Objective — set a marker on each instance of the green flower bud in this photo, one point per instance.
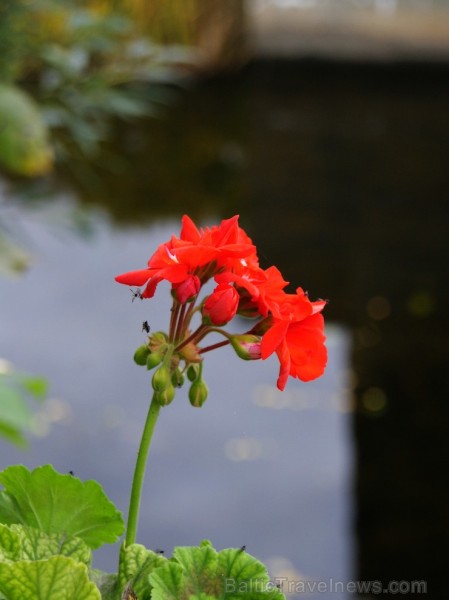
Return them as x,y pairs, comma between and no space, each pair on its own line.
177,378
165,396
140,355
192,372
153,359
198,393
159,337
161,379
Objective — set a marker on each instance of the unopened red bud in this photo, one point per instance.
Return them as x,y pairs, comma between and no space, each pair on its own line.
165,396
187,290
161,379
220,307
198,393
247,346
141,354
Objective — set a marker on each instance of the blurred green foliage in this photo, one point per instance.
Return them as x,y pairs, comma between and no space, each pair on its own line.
85,67
24,143
16,416
12,38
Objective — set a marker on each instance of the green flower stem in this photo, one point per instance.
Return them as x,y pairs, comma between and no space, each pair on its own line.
139,471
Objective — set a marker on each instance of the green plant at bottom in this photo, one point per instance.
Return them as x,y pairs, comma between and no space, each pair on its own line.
52,522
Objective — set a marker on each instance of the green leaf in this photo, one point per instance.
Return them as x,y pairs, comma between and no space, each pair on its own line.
136,564
167,582
13,435
244,570
35,386
14,411
199,566
59,504
201,573
57,578
16,417
18,542
36,545
9,544
24,146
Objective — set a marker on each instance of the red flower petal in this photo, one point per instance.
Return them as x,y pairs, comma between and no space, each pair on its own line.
189,230
273,338
134,277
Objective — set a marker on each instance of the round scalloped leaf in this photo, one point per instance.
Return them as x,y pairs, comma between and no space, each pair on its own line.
167,582
136,564
60,504
37,545
201,573
199,565
18,542
57,578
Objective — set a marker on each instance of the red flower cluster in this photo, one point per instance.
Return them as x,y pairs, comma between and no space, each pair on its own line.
289,324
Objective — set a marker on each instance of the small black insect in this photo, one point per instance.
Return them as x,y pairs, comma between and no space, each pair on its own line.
72,473
159,551
242,548
136,294
145,327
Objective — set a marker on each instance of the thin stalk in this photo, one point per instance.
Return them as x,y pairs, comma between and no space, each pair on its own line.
180,324
139,471
214,346
173,319
188,317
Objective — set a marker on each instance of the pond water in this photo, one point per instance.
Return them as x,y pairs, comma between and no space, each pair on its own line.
339,173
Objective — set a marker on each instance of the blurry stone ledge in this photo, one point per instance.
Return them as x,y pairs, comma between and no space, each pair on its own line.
356,35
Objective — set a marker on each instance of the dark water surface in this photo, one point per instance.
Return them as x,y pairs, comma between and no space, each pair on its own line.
340,176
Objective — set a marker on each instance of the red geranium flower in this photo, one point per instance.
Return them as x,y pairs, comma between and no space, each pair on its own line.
198,252
297,337
264,288
289,324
